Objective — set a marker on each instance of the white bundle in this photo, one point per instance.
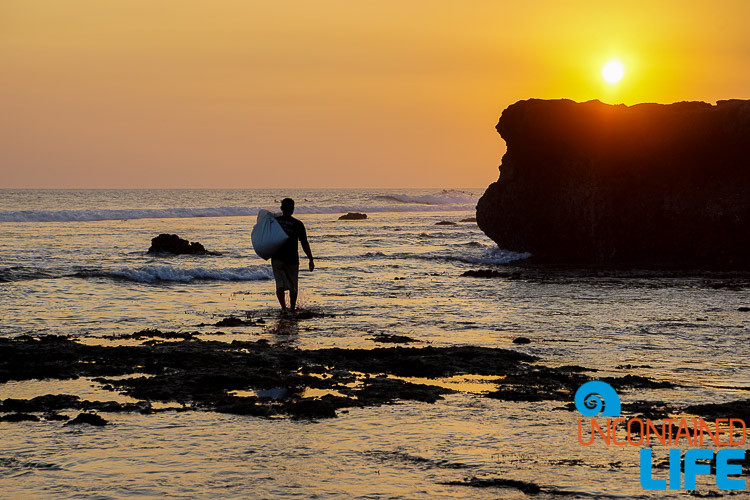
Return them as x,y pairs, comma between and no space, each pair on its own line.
267,235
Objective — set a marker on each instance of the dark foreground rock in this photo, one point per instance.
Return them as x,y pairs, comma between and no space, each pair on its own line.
646,184
263,379
272,379
89,419
173,244
353,216
19,417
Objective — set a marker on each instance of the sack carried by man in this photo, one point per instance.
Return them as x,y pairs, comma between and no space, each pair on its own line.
267,235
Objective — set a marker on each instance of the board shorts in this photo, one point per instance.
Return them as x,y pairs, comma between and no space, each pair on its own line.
286,275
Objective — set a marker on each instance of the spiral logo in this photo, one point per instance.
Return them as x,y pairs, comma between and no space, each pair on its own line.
597,397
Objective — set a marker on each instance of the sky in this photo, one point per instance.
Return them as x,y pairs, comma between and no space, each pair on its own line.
315,94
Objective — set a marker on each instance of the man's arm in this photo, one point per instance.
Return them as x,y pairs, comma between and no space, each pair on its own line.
306,247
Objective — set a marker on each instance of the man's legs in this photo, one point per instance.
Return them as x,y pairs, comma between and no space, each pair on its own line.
282,299
292,300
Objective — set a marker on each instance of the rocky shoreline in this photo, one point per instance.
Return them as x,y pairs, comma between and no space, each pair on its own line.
261,379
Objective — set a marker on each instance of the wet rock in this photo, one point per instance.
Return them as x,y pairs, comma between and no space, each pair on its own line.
51,403
353,216
522,340
469,219
379,390
407,458
743,309
309,314
491,273
234,321
533,393
173,244
445,223
56,417
636,382
475,482
655,410
733,409
87,418
19,417
310,408
243,406
151,334
387,338
47,403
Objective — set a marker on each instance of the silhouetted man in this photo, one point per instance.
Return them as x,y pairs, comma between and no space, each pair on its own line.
285,262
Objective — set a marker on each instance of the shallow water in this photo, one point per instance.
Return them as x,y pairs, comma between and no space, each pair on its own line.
396,273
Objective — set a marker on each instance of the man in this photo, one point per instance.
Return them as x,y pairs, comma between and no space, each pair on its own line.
285,262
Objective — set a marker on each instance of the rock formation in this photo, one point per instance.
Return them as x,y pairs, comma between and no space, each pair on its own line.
644,184
171,243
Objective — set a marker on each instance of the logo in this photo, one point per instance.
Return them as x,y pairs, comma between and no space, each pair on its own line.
599,399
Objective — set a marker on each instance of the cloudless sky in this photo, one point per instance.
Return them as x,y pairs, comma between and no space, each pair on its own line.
393,93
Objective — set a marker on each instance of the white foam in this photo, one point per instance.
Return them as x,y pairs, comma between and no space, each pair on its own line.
444,197
153,274
494,256
172,213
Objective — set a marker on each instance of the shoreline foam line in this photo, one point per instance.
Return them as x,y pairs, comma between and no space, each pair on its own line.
178,213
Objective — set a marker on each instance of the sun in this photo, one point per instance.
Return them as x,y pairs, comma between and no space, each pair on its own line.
613,71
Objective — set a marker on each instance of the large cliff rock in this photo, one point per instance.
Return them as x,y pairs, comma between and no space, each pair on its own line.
643,184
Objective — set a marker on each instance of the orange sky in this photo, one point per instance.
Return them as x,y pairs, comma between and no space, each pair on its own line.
394,93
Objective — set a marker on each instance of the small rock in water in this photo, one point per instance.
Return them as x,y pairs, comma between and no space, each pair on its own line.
469,219
475,482
492,273
171,243
392,339
743,309
353,216
234,321
522,340
88,418
445,223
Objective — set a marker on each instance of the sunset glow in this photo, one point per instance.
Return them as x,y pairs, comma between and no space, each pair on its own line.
168,93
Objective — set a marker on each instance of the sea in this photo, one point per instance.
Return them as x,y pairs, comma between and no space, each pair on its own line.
75,262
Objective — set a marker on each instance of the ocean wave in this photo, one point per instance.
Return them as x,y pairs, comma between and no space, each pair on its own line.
489,256
166,273
23,273
444,197
175,213
492,256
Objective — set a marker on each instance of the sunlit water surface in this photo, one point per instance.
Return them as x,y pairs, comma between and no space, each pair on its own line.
75,263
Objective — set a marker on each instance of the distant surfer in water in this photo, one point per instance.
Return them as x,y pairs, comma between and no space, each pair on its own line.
285,262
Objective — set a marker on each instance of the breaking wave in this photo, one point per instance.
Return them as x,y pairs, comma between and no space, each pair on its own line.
490,256
174,213
445,197
166,273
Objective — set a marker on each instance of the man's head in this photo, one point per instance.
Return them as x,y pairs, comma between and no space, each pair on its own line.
287,206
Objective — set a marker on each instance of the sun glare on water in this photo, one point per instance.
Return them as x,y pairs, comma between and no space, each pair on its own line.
613,71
